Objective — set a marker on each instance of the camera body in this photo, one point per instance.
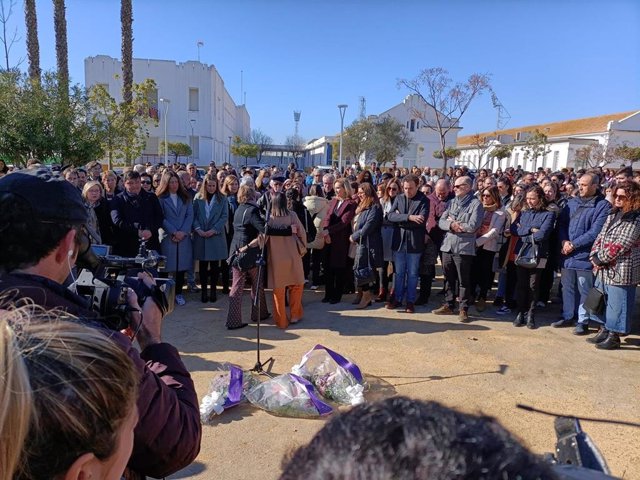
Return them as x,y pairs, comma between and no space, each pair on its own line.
104,280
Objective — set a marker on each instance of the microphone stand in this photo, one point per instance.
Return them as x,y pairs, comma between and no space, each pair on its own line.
261,262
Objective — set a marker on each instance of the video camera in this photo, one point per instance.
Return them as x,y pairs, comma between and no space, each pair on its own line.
104,280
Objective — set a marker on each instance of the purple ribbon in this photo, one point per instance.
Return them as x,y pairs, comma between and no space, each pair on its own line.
323,408
350,367
235,388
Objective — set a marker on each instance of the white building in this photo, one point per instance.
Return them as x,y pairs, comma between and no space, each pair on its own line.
564,139
412,113
196,106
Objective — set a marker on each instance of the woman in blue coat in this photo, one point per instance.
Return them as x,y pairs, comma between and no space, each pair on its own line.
175,234
367,234
534,224
210,215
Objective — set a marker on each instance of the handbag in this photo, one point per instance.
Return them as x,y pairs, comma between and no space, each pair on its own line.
302,248
528,255
596,300
365,275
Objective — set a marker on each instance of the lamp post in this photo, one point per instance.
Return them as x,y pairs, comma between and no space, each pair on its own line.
342,108
165,102
193,122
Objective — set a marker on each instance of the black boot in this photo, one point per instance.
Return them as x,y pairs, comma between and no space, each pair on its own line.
601,336
531,321
203,286
519,321
612,342
213,295
423,297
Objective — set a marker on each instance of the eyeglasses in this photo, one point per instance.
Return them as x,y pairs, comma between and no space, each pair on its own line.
146,182
620,197
459,186
392,189
486,195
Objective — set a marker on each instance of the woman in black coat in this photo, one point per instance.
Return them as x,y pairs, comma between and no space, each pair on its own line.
368,235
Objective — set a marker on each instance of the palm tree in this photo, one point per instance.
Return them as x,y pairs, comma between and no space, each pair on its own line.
126,18
33,47
62,57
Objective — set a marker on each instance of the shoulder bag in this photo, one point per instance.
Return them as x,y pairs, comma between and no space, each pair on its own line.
365,275
302,249
596,300
528,255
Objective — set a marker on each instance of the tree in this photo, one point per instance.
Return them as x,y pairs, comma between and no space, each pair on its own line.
126,19
500,152
449,101
36,120
482,145
357,139
595,155
33,47
390,140
124,126
449,152
262,140
295,144
534,147
62,54
242,148
8,39
177,149
630,154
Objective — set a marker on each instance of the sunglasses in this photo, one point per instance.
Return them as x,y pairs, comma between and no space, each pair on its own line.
393,189
486,195
459,186
146,182
620,197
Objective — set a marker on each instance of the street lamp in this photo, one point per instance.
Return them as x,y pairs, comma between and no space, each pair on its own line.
165,102
193,122
342,108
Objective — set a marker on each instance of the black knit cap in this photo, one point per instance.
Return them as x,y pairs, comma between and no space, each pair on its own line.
50,197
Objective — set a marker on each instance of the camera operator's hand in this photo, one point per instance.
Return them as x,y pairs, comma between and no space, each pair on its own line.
148,324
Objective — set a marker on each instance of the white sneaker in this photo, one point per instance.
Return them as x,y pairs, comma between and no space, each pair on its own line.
503,310
314,287
180,301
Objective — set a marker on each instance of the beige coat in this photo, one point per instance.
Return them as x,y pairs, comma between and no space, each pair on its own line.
284,262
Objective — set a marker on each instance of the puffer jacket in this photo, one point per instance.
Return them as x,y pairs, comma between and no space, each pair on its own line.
317,207
617,249
580,222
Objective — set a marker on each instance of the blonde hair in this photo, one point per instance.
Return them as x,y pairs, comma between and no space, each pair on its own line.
66,391
89,185
346,186
246,193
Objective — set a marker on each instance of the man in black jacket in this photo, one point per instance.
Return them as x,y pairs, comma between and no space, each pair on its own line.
409,212
44,216
137,215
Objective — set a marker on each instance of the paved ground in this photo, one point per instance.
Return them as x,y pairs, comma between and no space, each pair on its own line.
486,366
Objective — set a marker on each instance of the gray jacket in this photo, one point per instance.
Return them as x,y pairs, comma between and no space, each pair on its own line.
468,211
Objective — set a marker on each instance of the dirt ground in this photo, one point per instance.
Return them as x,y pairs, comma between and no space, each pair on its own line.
487,366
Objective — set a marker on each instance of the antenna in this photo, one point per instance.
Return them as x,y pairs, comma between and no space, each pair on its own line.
296,118
199,44
503,114
363,108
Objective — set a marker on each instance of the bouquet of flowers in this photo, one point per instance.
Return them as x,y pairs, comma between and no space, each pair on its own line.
227,389
335,377
289,396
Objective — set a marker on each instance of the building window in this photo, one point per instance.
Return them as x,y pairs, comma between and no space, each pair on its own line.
413,125
193,99
516,159
556,157
194,143
418,125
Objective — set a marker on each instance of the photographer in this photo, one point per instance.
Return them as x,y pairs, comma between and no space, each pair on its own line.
40,223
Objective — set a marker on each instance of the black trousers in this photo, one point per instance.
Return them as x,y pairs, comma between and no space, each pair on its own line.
512,281
209,272
482,277
457,271
527,288
317,259
335,278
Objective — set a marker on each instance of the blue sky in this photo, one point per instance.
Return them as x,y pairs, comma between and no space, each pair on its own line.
549,60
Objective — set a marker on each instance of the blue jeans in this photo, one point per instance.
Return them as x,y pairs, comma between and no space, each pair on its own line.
575,287
502,285
619,310
406,275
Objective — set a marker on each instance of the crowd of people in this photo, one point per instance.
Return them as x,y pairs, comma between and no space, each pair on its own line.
378,233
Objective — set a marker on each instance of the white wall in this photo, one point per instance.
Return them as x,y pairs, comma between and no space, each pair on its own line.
216,119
